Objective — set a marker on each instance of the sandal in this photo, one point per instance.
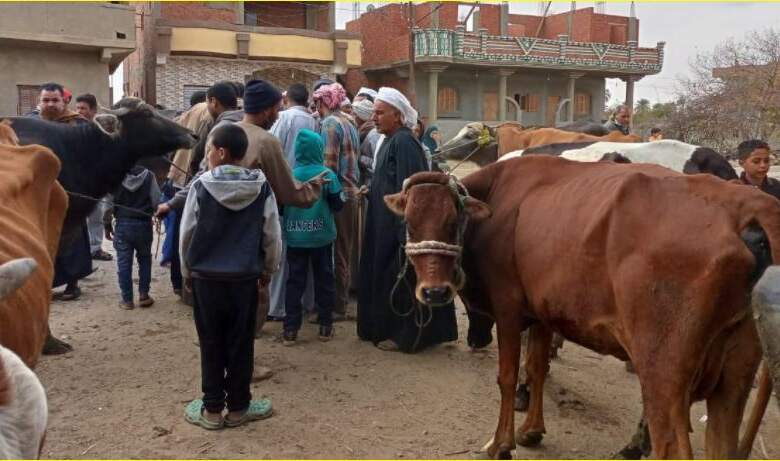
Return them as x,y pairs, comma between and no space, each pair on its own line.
193,413
258,409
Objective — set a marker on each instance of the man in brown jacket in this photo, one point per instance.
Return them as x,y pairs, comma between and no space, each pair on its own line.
261,109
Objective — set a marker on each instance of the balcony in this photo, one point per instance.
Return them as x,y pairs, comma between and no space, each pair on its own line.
188,37
111,28
459,46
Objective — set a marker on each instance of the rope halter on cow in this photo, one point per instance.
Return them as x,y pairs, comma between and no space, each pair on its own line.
436,247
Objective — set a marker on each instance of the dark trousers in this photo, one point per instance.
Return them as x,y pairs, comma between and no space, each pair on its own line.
298,259
172,223
225,315
175,258
133,236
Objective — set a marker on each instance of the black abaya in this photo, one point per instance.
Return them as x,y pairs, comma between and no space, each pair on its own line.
399,157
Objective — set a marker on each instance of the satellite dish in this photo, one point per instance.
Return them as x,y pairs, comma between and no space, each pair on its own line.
370,8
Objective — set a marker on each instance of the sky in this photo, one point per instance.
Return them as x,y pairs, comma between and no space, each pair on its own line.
687,29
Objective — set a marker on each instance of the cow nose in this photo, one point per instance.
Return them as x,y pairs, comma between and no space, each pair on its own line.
436,295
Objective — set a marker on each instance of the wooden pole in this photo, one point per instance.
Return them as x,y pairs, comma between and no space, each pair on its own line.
412,85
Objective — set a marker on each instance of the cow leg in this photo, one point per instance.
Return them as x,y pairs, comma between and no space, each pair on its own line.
509,346
54,346
537,364
639,445
668,420
726,404
523,395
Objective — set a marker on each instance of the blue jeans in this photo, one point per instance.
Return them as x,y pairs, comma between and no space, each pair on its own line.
133,235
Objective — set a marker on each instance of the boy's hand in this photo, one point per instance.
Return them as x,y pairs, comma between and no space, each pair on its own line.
162,210
109,232
319,179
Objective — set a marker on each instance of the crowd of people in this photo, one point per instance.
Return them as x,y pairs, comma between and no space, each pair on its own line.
279,208
279,211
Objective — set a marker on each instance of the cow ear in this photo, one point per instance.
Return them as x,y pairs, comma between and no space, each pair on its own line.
477,210
108,123
396,203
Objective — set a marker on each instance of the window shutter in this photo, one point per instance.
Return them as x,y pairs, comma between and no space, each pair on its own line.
28,96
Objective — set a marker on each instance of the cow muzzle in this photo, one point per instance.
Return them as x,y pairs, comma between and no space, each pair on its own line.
436,296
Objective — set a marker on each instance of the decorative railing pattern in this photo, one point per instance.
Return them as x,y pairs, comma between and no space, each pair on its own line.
461,46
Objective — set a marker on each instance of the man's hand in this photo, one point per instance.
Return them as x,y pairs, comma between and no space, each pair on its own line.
188,283
109,232
162,210
264,280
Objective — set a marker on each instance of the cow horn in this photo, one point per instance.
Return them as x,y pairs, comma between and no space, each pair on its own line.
117,112
14,273
766,310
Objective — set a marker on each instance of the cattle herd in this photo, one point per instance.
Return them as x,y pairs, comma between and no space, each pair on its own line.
617,245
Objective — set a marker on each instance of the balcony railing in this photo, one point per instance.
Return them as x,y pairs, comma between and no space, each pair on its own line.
470,47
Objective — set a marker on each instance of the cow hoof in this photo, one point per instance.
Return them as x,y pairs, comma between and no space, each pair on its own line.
522,398
529,439
54,346
628,452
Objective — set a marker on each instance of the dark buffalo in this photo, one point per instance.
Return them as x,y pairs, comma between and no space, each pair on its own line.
95,159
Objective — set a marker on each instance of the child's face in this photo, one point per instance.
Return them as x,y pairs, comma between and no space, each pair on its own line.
216,156
756,165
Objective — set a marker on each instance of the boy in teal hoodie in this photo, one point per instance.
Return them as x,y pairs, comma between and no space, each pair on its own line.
310,234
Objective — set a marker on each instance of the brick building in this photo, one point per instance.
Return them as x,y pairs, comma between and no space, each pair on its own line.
534,69
186,46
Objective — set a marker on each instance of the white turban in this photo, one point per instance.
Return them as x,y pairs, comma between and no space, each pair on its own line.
367,91
364,109
396,99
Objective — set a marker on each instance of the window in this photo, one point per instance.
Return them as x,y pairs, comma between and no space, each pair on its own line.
28,98
189,90
530,103
447,100
581,104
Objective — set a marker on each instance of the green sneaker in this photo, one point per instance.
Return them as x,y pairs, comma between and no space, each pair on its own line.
258,409
193,413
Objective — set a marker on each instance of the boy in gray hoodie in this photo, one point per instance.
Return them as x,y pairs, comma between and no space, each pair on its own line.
133,233
230,245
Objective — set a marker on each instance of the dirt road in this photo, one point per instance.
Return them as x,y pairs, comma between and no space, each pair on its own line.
122,392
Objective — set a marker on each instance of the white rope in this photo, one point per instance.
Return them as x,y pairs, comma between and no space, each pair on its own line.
433,247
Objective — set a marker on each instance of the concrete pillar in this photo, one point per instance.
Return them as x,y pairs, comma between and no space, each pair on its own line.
504,21
331,16
503,74
435,14
545,95
311,17
630,95
433,92
570,93
239,7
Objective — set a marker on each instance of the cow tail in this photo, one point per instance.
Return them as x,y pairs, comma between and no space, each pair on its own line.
765,302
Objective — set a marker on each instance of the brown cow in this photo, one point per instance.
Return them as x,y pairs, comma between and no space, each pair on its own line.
32,210
484,145
612,257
